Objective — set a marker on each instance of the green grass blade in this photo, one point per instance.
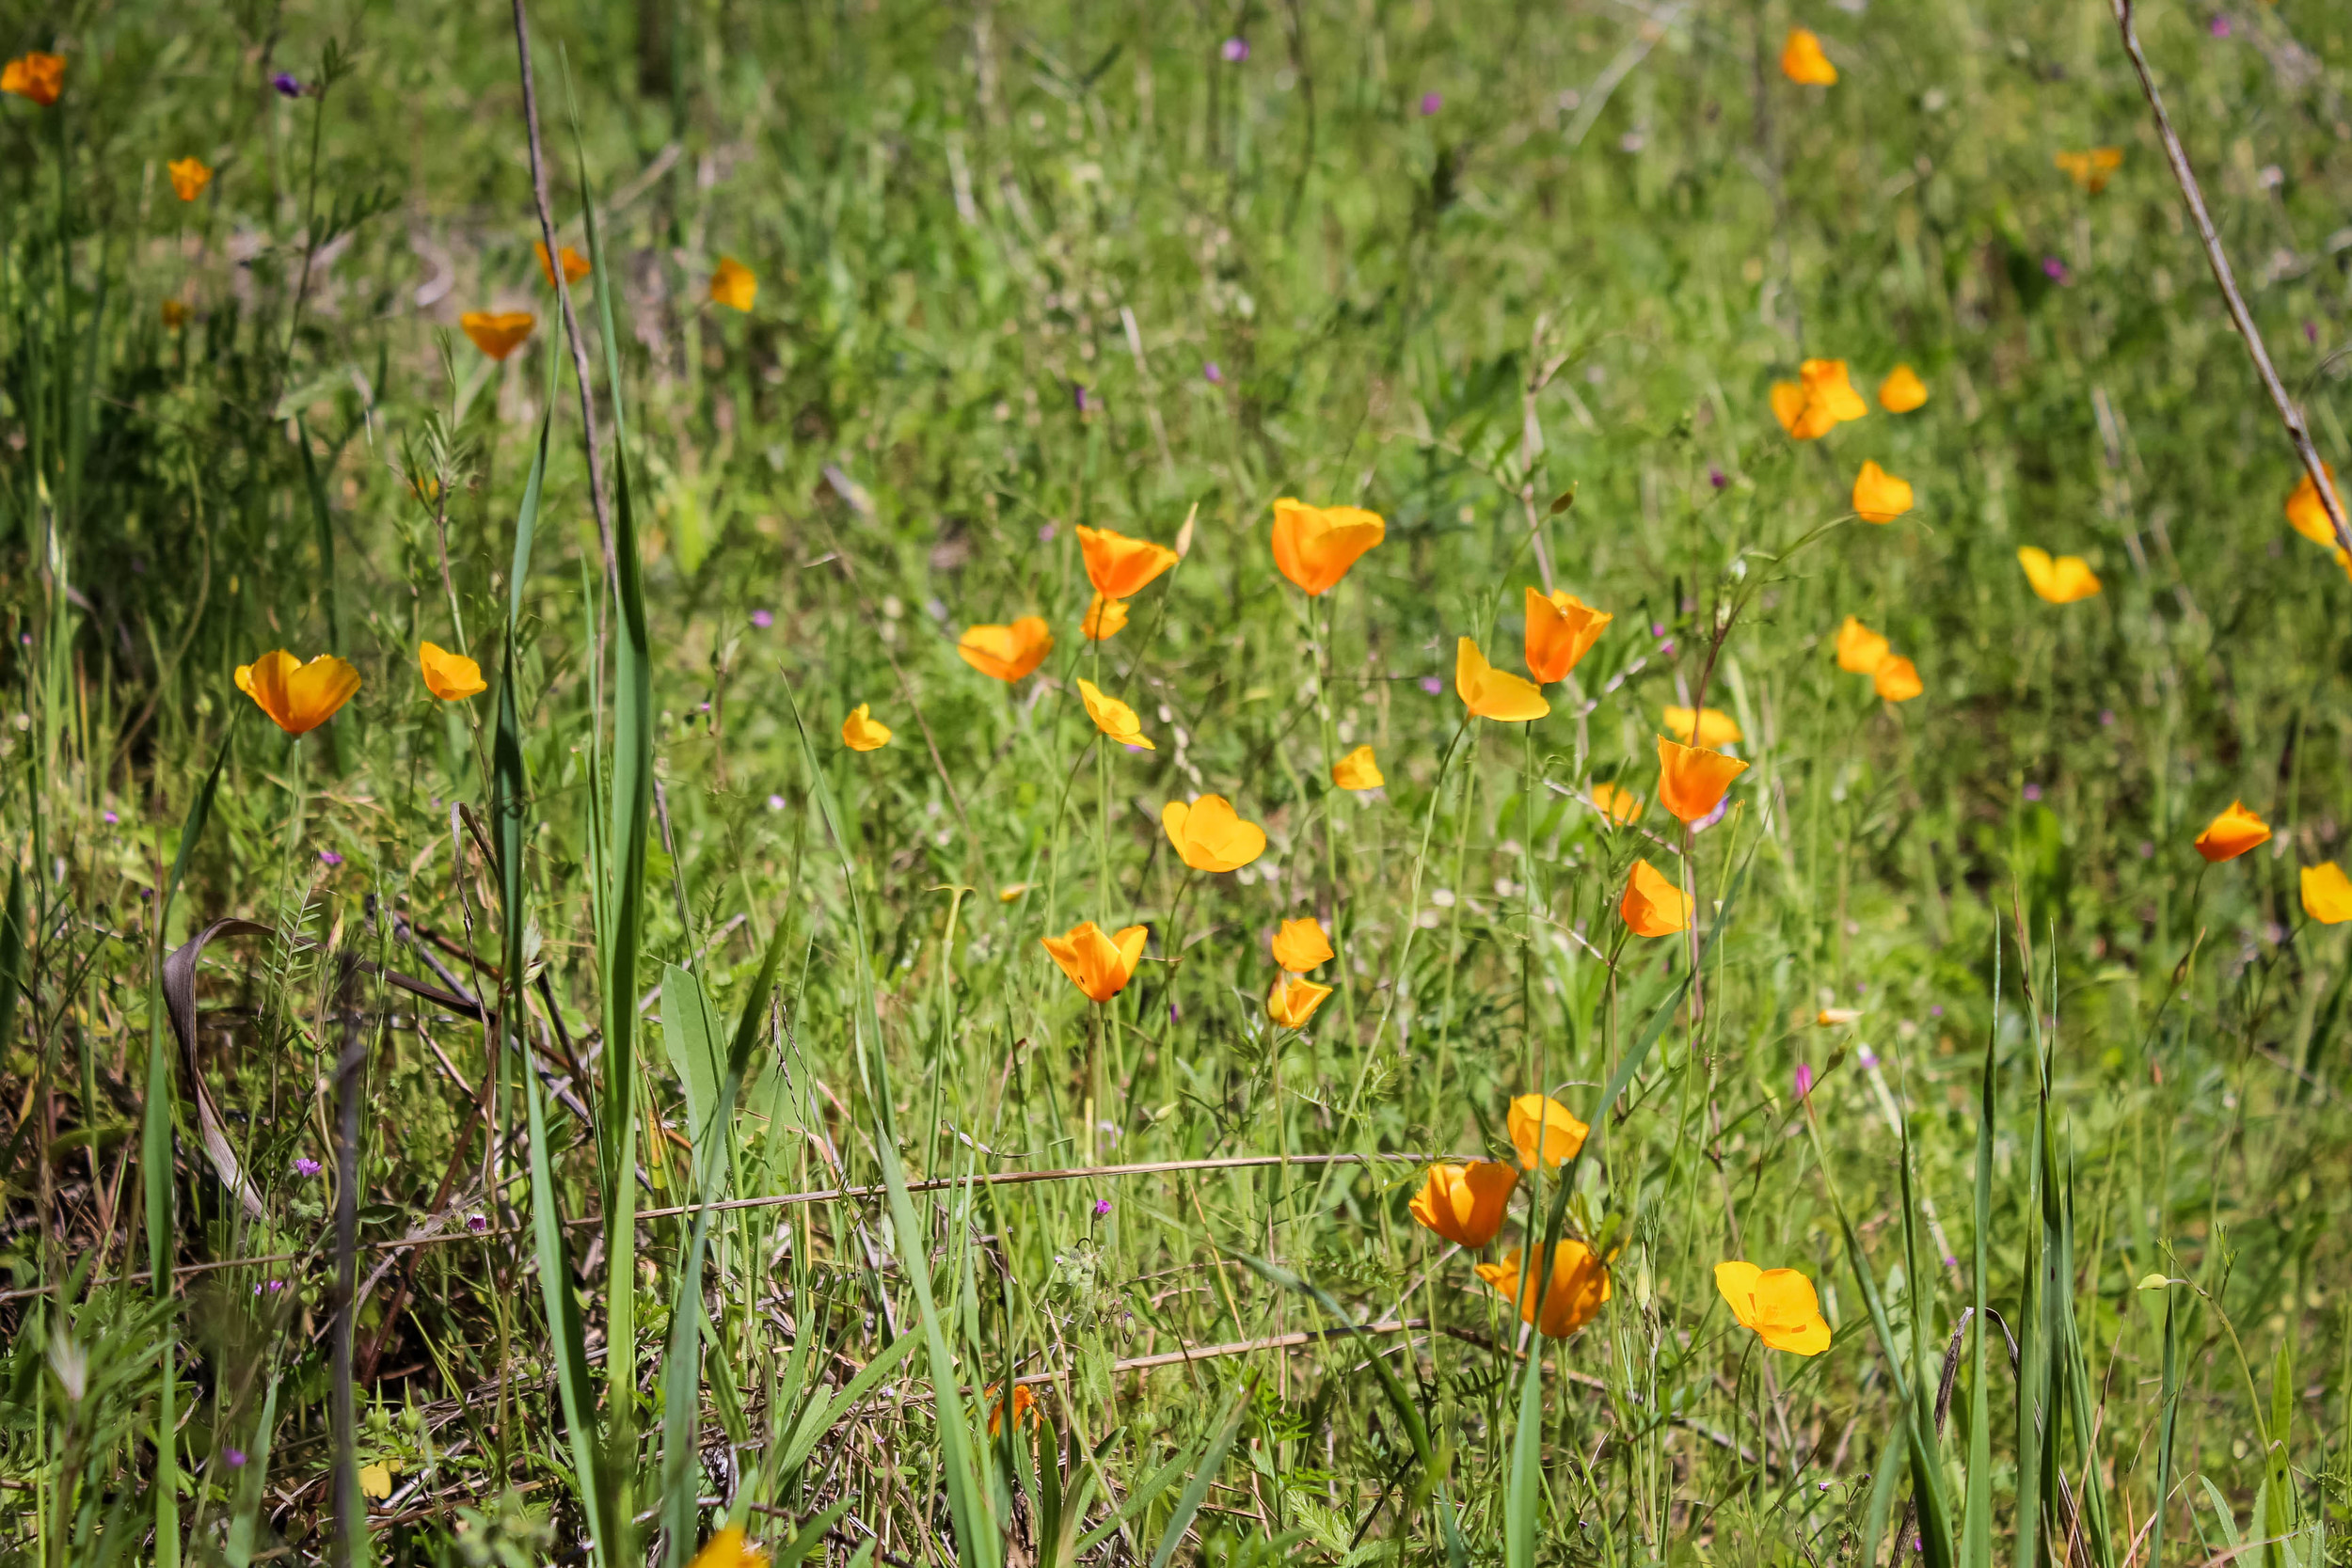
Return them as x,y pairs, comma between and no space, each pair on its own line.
1523,1493
2164,1428
822,1416
1195,1492
1975,1530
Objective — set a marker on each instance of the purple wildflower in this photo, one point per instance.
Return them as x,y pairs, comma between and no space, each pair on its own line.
1236,50
1804,1080
1868,1058
2056,270
476,1224
1102,1206
775,802
1046,531
763,619
1211,374
305,1166
233,1458
1716,478
2221,26
2033,792
1657,629
2107,718
2311,333
109,818
1935,1009
329,857
1431,102
287,83
1432,684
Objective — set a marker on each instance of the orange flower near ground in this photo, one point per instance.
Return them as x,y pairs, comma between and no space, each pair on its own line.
1357,770
1898,679
1024,1411
298,697
1114,718
1492,693
1652,906
1902,391
175,315
2307,514
575,265
1106,618
1692,779
1120,567
2090,170
1300,946
1860,650
1006,652
860,732
1210,837
1820,400
452,677
1778,1303
1802,60
1715,727
1617,805
1879,497
1465,1204
37,76
733,285
1562,1135
498,333
189,176
1579,1285
2232,834
2060,580
1314,546
1293,1000
1560,630
726,1549
1098,963
2327,894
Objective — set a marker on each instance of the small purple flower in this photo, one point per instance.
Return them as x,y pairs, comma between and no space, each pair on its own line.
1102,1206
2033,792
1868,1058
1716,478
1712,817
1935,1009
704,707
2147,850
2055,270
775,802
1211,374
1950,1262
109,818
287,83
476,1224
1078,397
1804,1080
763,619
1432,684
1825,1485
2311,333
329,857
1666,649
1431,102
1657,629
305,1166
1236,50
2221,26
2107,718
1046,531
233,1458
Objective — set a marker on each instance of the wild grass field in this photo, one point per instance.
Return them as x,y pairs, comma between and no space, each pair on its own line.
976,847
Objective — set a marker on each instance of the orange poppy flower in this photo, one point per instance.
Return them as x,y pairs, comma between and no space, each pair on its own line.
1616,804
452,677
1209,836
1579,1283
1492,693
2309,514
1293,1000
1006,652
1314,546
733,284
298,697
189,176
1561,1134
1898,679
1715,727
1024,1411
498,333
2062,579
860,732
1357,770
37,76
2090,170
1902,391
575,265
1778,1303
1802,60
1692,779
1300,946
2232,834
1560,630
1652,906
1879,496
1465,1204
1114,718
1820,400
1106,618
1860,650
1098,963
1120,567
2327,894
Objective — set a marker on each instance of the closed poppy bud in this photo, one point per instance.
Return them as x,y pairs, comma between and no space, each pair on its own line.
1560,630
1691,780
1898,679
1300,946
1314,546
1114,718
1098,963
452,677
1492,693
498,333
2327,894
1860,650
1357,770
1652,906
733,284
1209,836
1293,1000
1616,804
298,697
727,1548
859,732
1119,566
1777,1304
1714,726
1535,1118
37,76
1902,391
2232,834
1835,1017
1572,1298
575,265
1465,1204
1802,60
188,176
2059,580
1106,618
2309,514
1879,497
1007,653
2090,170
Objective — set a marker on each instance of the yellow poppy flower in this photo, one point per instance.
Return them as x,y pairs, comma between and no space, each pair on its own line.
189,176
375,1481
1357,770
37,76
1691,780
2327,894
1210,837
498,333
298,697
1715,727
1098,963
1898,679
1120,567
1616,804
2060,580
1300,946
1879,497
2307,514
1106,618
1579,1283
2090,170
1006,652
575,265
1114,718
1492,693
727,1548
1560,630
452,677
1860,650
860,732
1465,1204
1652,906
1778,1303
1820,400
733,285
1293,1000
1562,1135
1902,391
2232,834
1314,546
1802,60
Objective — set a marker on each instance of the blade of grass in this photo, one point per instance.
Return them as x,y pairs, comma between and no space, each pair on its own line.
1195,1492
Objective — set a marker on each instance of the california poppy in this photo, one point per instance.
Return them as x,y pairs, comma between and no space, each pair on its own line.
1492,693
1879,497
1465,1204
1114,718
37,76
1802,60
1561,1134
2309,514
1314,546
1209,836
2090,170
1357,770
726,1549
1579,1283
452,677
2232,834
2327,894
2060,580
1902,391
1652,906
1820,400
1778,1303
1120,567
189,176
1898,679
1293,1000
860,732
1006,652
1106,618
1300,946
498,333
1023,1407
1616,804
1715,727
298,697
1560,630
1098,963
733,285
1860,650
575,265
1692,779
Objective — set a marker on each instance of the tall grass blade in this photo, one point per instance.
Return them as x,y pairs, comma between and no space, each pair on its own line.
1976,1530
1195,1492
2164,1425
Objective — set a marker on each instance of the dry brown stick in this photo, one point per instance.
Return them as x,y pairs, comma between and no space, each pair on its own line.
2289,414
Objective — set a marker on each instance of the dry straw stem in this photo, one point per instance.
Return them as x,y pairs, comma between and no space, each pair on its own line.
2177,156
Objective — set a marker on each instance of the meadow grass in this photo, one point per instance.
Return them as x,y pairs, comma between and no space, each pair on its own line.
605,1117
